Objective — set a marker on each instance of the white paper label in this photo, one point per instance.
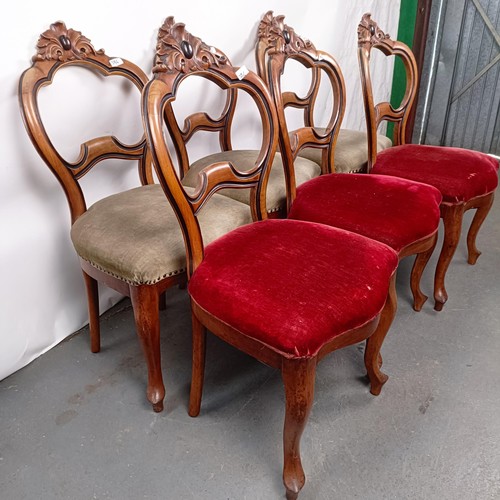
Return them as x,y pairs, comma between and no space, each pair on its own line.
115,62
242,72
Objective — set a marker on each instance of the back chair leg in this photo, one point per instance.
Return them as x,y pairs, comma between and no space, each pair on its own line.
452,218
298,378
198,366
419,265
373,358
483,208
92,289
145,302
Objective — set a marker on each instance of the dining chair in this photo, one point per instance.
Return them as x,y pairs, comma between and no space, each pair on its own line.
285,292
400,213
466,179
129,241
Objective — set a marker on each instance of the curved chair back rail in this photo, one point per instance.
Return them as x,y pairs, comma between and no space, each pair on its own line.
59,48
370,36
277,43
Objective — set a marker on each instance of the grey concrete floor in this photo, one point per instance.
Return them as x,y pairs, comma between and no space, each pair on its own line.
75,425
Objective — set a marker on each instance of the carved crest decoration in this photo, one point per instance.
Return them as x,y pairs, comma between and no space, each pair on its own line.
281,37
178,50
368,31
61,44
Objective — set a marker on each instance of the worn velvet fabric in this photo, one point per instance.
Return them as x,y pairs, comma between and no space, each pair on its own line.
351,150
460,174
293,285
394,211
135,235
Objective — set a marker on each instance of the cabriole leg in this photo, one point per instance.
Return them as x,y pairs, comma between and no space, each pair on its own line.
145,302
298,378
373,359
452,219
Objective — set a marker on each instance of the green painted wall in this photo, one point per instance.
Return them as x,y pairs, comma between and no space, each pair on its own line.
406,29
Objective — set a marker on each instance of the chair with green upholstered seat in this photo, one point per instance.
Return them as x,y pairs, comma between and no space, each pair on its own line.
131,240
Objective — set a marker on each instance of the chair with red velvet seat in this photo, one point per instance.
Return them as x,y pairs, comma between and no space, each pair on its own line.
467,179
286,292
130,240
402,214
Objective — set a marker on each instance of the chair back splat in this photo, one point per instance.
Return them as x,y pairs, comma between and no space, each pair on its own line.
181,55
58,48
370,36
277,43
286,292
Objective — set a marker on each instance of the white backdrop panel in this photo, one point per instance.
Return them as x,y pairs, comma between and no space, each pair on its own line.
42,296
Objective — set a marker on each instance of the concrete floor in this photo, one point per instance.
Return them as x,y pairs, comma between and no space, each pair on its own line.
75,425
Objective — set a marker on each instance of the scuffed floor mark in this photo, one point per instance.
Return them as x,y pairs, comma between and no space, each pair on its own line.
425,405
65,417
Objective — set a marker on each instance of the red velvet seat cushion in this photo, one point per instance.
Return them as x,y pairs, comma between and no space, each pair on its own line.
293,285
460,174
395,211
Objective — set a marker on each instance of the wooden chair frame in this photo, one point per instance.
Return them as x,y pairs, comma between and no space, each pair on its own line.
179,55
57,48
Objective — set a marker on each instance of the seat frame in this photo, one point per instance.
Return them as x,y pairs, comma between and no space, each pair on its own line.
58,48
370,37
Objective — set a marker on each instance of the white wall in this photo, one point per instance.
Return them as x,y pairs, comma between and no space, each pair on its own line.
42,297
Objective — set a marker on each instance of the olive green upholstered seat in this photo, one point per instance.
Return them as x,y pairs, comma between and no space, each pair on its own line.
351,151
154,247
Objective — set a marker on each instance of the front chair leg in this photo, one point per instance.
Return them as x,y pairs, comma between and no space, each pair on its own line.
452,219
145,302
198,366
419,265
483,208
298,378
92,289
373,359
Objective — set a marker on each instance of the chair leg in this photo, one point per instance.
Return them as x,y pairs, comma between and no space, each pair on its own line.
198,366
145,302
419,265
373,359
452,219
298,378
482,211
93,306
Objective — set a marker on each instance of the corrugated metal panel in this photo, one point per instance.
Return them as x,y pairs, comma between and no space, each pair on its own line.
462,90
475,94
